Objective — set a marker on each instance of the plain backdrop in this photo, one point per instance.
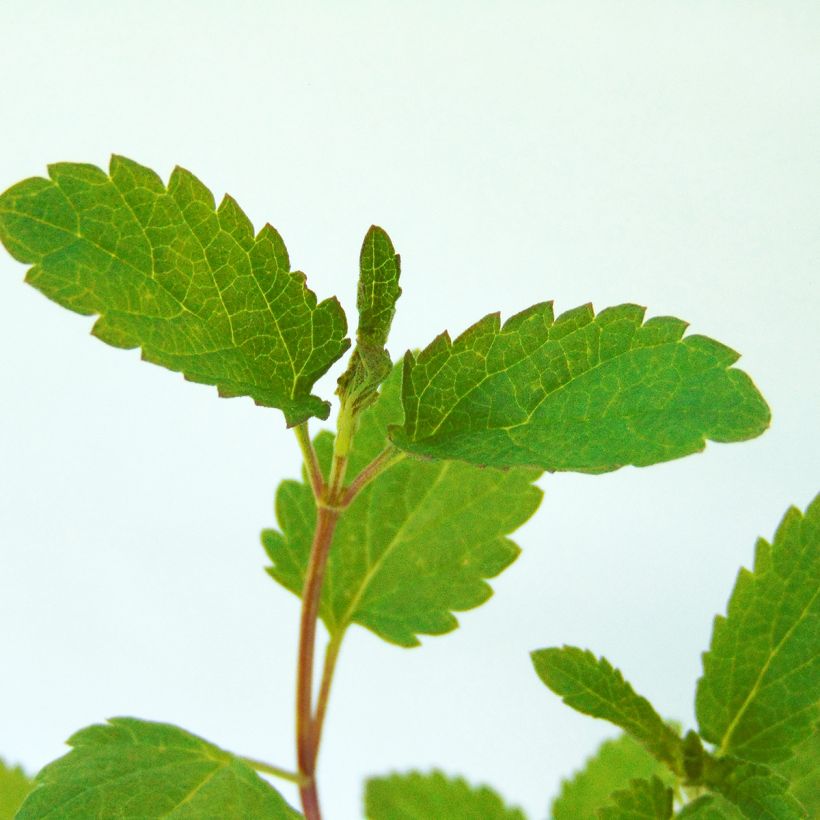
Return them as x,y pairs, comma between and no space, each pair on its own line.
660,152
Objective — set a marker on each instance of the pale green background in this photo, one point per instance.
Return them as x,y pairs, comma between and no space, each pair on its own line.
661,152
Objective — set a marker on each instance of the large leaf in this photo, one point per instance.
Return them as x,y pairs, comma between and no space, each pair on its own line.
580,392
616,763
641,800
133,768
593,686
759,694
378,293
14,786
417,796
415,545
710,807
802,770
169,272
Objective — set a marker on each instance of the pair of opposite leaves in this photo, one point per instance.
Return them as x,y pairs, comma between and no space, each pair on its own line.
200,293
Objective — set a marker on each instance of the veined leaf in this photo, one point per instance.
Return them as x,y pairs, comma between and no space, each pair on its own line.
802,770
415,545
170,273
710,807
14,786
760,691
593,686
378,293
616,763
642,800
581,392
133,768
417,796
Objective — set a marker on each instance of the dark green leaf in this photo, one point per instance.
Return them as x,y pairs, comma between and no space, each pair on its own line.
616,763
14,786
169,272
378,293
642,800
709,807
760,692
131,768
433,796
593,686
415,545
581,392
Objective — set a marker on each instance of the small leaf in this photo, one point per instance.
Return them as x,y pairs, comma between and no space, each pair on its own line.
14,786
415,545
593,686
416,796
169,272
378,293
756,790
802,770
133,768
760,691
581,392
709,807
642,800
616,763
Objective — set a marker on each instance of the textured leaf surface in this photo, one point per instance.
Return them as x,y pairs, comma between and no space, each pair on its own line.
416,796
378,292
803,773
642,800
170,273
14,786
580,392
593,686
710,807
415,545
758,697
616,763
130,768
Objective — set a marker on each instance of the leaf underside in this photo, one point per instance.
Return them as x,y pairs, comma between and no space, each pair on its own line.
593,686
133,768
169,272
416,796
759,696
641,800
581,392
615,764
415,545
14,786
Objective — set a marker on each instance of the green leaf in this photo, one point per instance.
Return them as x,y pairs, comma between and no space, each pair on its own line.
759,694
756,790
803,773
642,800
709,807
616,763
417,796
415,545
133,768
593,686
378,293
580,392
14,786
169,272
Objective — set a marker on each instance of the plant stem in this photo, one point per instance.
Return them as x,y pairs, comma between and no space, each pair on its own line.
314,471
331,656
306,739
386,458
276,771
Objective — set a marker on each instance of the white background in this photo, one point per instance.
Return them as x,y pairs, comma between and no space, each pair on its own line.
660,152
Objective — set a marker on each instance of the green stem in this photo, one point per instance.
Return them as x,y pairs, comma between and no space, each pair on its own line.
331,656
314,471
276,771
387,458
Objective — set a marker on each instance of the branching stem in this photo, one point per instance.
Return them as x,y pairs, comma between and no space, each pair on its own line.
276,771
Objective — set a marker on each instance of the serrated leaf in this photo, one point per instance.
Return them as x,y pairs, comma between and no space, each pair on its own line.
760,692
378,292
134,768
615,764
415,545
757,791
581,392
416,796
709,807
593,686
642,800
170,273
802,770
14,786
